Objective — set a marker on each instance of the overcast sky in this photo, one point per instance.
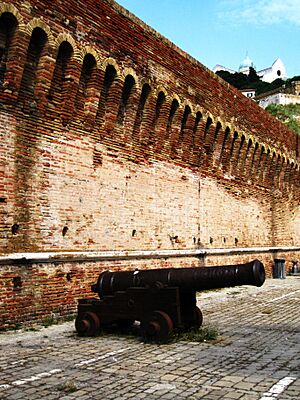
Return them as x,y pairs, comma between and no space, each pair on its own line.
223,31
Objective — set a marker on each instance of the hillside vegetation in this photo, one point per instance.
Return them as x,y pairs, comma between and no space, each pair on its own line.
251,81
288,114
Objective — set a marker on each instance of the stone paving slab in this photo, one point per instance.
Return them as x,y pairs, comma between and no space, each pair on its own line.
256,356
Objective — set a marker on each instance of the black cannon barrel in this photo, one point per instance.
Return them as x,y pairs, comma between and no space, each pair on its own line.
196,279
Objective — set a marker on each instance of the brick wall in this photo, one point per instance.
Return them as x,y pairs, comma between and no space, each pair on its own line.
112,138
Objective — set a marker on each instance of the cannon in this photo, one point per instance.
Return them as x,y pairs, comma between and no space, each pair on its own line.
161,299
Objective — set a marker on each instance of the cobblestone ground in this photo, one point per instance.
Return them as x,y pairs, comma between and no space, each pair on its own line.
256,355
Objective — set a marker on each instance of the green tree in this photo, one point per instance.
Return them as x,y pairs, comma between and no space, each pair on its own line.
288,114
253,77
251,81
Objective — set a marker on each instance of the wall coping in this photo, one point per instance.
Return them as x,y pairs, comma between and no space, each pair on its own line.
84,256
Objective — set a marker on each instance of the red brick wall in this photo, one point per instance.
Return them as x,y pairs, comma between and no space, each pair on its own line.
114,139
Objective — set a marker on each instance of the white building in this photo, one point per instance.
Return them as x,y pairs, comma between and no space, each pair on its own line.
250,93
277,70
283,95
278,98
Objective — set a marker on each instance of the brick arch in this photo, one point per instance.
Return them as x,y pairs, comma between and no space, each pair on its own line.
146,113
240,152
253,157
274,154
292,161
66,37
89,58
106,104
266,164
288,172
90,50
126,106
161,99
175,97
207,114
270,173
60,83
110,76
130,72
196,137
171,131
129,83
197,109
199,112
86,83
161,105
141,114
278,168
187,112
278,163
209,121
225,141
207,129
38,23
175,105
252,138
284,174
262,151
8,27
281,159
247,136
292,171
259,167
160,89
189,104
246,158
10,8
231,151
146,79
269,149
219,121
217,130
33,68
186,129
229,126
113,104
111,61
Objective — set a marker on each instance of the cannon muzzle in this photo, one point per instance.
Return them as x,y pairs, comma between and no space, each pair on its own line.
186,279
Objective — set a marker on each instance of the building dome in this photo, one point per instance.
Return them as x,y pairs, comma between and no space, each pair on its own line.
247,63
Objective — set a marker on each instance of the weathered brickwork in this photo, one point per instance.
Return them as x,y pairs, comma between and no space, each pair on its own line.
114,139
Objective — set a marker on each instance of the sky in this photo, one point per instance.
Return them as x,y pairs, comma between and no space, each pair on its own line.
225,31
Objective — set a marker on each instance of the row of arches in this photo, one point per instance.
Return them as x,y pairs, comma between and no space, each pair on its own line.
116,105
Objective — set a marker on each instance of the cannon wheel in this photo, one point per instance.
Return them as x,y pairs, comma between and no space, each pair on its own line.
198,318
157,326
87,324
194,319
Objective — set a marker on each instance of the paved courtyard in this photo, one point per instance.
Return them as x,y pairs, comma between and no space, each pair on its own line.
256,355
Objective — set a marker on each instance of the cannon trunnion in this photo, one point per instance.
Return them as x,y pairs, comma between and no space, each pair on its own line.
161,299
